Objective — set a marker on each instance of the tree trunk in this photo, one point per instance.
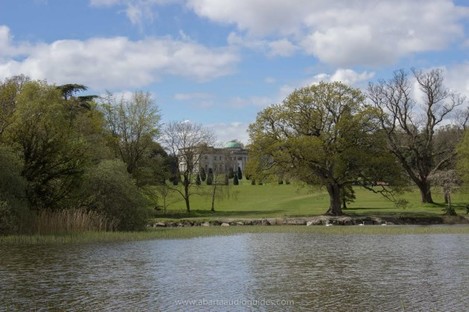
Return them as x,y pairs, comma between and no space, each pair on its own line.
449,208
186,194
425,192
213,198
335,207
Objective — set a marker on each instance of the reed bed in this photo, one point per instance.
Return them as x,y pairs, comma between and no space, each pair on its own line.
194,232
71,221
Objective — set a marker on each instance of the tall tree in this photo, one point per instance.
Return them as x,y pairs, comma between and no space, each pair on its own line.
12,191
187,141
219,187
9,89
54,152
449,181
322,134
410,125
134,125
463,157
76,103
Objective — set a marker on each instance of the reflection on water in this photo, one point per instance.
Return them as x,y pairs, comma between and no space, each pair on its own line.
262,272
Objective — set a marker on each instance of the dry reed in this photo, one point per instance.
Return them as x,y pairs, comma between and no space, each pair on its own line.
71,221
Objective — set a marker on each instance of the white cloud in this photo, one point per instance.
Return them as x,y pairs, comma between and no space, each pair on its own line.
282,47
258,17
4,41
342,46
105,2
7,48
343,32
347,76
457,79
230,131
115,62
137,11
237,40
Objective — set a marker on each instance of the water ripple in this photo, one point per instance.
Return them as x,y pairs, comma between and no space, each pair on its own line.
262,272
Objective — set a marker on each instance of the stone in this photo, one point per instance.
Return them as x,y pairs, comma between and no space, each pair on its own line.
205,224
159,224
344,221
225,224
295,222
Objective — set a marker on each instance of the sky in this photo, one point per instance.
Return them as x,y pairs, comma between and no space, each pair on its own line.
220,62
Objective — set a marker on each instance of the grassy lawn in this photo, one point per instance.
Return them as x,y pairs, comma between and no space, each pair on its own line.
278,201
270,201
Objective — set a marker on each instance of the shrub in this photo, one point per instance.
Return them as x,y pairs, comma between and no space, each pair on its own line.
13,207
231,173
109,190
210,177
203,174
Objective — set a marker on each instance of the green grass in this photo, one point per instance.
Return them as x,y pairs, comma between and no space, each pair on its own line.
192,232
271,201
278,201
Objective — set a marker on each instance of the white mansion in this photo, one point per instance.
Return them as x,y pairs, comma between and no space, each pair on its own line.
232,155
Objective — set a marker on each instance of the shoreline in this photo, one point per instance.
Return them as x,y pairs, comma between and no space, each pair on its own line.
316,221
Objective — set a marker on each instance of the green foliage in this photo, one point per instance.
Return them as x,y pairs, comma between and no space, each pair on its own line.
348,195
68,90
321,134
153,168
133,125
52,150
109,189
13,207
9,89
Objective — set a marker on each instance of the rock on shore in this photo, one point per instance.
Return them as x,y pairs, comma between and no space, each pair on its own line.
317,220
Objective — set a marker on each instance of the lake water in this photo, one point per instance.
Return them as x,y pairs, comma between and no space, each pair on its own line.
246,272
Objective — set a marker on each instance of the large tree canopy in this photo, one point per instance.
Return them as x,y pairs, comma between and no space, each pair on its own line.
322,134
54,152
133,125
412,125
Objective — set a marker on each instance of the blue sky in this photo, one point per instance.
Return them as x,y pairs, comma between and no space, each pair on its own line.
219,62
